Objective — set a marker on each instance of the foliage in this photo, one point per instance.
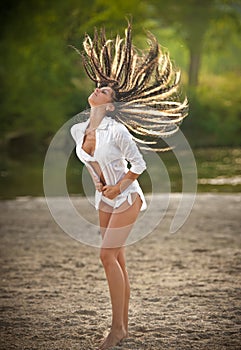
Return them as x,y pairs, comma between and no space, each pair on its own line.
43,83
38,71
215,112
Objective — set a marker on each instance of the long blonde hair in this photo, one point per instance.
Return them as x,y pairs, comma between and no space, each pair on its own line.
146,84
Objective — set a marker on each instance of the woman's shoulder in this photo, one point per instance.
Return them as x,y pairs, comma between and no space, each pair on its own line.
119,127
79,126
120,132
78,129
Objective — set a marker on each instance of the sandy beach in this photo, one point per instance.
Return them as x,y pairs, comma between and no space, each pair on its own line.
186,290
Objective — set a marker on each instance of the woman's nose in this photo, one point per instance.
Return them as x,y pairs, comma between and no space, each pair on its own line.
97,90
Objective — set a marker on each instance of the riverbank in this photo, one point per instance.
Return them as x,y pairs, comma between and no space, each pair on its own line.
218,169
185,286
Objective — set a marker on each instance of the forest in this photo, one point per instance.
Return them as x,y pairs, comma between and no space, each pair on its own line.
43,83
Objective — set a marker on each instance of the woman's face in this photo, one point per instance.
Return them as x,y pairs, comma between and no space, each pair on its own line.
101,96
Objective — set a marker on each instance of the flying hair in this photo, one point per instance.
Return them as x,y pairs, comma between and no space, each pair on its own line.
145,82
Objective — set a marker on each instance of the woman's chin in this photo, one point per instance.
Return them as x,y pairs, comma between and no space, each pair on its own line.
91,102
90,99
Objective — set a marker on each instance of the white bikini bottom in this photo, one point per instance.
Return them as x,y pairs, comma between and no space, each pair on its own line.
121,198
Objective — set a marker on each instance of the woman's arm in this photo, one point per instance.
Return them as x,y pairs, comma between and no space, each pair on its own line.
131,153
112,191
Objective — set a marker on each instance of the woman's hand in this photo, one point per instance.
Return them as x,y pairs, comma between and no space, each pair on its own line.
99,186
111,191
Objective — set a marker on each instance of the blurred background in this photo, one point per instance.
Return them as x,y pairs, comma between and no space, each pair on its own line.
43,83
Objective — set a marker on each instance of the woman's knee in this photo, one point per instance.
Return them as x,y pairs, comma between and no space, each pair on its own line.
107,256
121,258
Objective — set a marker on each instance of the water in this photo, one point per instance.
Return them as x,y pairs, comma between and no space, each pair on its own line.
219,170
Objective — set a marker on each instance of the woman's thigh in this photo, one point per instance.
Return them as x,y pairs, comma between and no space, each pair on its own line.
120,223
105,212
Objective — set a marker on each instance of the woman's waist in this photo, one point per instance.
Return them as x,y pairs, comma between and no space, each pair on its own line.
134,187
113,177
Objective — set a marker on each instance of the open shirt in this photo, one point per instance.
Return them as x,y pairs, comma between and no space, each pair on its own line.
114,148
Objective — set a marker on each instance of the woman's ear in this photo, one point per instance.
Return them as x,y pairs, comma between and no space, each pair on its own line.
110,107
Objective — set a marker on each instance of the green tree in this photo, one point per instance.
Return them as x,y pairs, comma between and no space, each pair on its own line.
192,19
42,79
38,69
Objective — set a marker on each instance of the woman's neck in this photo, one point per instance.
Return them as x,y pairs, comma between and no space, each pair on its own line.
96,116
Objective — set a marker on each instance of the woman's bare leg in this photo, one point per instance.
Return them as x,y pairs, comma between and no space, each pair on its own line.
119,226
121,260
105,212
104,218
116,282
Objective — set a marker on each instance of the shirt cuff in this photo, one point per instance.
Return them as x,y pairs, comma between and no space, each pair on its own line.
138,168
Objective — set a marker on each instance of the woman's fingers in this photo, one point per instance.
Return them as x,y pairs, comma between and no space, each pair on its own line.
99,186
109,191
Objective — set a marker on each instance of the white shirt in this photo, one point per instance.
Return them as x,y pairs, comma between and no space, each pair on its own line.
114,148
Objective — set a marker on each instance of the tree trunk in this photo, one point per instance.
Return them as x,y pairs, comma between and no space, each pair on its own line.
194,66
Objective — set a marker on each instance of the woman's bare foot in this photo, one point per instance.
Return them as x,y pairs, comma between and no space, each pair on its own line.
112,339
126,330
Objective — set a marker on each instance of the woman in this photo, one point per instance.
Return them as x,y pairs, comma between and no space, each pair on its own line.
141,84
120,201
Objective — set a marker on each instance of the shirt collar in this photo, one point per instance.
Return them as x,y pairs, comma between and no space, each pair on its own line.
104,123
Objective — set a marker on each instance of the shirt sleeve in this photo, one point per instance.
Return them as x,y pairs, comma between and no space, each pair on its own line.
129,149
74,132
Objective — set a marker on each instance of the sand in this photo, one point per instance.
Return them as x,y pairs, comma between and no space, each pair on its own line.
186,291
